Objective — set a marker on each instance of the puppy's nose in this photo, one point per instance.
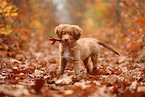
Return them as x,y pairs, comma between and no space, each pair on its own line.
65,40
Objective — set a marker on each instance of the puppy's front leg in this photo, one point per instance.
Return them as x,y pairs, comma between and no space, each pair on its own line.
63,62
77,67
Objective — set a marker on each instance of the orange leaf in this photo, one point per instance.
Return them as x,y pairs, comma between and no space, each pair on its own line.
132,46
15,10
7,14
3,4
1,10
142,24
8,9
14,14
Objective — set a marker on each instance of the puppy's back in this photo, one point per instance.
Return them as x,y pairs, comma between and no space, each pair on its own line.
88,46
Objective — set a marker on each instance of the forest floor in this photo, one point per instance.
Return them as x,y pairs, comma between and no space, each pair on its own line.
33,72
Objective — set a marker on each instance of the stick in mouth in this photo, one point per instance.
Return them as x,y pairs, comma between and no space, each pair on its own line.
54,40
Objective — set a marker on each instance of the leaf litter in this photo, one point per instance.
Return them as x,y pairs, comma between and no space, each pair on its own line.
34,72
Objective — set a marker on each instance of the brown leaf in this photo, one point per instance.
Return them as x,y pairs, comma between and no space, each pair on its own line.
38,85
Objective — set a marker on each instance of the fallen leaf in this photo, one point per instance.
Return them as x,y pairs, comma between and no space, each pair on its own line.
64,80
14,90
83,84
133,86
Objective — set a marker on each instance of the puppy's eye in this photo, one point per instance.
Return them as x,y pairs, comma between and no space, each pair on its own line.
71,34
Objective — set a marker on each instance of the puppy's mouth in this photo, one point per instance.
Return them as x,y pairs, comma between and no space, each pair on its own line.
66,41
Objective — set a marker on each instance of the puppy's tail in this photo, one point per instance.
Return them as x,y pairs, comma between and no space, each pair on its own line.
107,46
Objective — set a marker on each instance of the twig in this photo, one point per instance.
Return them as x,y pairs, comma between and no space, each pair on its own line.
54,40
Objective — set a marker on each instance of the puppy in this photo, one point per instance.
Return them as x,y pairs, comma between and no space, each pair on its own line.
74,50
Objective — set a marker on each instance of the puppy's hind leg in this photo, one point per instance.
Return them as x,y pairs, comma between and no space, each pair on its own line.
86,64
94,58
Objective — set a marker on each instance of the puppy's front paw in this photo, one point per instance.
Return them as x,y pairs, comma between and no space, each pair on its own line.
95,71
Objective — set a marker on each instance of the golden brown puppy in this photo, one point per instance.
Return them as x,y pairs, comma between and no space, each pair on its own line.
74,50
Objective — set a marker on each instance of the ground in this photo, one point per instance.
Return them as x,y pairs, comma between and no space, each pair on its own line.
33,72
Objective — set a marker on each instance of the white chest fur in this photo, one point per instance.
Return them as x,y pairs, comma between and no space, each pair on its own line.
65,53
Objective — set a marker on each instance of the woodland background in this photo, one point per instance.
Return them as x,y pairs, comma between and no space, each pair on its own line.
27,57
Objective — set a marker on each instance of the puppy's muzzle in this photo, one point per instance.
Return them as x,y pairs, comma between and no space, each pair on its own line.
65,40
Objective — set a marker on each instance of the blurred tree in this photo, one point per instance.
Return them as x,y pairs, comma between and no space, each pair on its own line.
70,12
44,11
62,13
95,14
77,11
42,16
8,17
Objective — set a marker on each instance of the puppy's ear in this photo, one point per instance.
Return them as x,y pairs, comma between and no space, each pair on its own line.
77,32
58,31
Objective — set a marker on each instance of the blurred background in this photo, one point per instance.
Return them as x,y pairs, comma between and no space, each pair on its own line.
118,22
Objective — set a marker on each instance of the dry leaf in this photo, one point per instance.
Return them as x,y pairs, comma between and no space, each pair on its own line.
64,80
14,14
133,86
8,9
83,84
3,4
14,90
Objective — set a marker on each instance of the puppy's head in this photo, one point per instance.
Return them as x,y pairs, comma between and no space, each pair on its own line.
68,33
